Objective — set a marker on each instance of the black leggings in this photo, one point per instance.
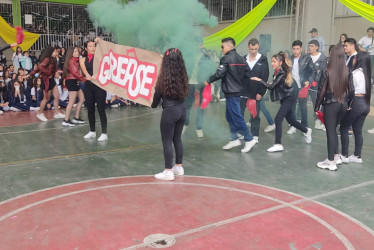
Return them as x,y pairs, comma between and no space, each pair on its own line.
171,126
333,114
285,111
94,94
355,118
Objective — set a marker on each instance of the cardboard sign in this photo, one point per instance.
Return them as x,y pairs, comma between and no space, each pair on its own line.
125,71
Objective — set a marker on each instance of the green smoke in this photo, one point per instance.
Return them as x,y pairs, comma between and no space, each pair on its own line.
155,24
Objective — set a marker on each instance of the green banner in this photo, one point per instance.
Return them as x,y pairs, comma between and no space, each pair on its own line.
241,28
363,9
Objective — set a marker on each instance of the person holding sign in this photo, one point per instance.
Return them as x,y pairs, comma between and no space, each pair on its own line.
172,88
93,94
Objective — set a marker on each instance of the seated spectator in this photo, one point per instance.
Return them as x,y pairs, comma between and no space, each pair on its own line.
17,99
36,93
4,103
64,94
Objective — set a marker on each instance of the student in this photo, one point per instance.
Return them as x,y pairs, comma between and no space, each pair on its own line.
93,94
336,95
45,70
281,89
355,117
36,93
172,88
64,94
26,62
72,78
17,56
232,70
18,99
4,100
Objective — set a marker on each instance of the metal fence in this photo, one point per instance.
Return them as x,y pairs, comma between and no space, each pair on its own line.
65,40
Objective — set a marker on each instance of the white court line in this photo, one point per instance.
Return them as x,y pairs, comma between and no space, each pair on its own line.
340,236
59,128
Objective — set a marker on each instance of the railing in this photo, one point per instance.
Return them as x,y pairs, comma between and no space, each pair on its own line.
65,40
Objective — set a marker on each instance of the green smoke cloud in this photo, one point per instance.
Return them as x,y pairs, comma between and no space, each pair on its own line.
155,24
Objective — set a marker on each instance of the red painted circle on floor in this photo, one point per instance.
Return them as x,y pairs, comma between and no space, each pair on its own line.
201,213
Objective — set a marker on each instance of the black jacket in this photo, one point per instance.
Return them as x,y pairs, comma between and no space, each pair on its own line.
325,96
232,70
260,70
307,71
320,65
279,88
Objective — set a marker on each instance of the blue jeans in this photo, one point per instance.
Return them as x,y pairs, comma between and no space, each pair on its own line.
236,119
266,112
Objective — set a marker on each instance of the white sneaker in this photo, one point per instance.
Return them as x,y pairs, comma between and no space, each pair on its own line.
103,137
269,128
275,148
178,170
41,117
326,164
67,123
371,131
308,136
338,160
256,139
166,175
240,136
248,124
343,158
59,115
34,108
114,106
248,146
90,135
232,144
199,133
184,129
323,128
1,112
354,159
291,131
318,124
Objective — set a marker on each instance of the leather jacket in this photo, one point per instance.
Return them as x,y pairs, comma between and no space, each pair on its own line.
232,70
320,65
325,96
307,71
74,70
279,88
260,70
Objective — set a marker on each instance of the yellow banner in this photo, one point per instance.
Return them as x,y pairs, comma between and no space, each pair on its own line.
363,9
9,35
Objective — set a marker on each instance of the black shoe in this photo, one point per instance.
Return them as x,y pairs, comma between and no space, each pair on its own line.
78,121
67,123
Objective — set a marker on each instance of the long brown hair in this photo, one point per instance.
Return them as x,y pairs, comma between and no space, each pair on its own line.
362,62
286,66
68,56
172,81
338,73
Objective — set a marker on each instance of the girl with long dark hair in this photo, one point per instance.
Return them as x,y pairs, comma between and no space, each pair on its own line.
355,117
18,98
93,94
335,94
46,70
72,76
172,89
281,89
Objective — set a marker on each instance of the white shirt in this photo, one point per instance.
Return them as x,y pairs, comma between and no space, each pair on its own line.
359,81
315,58
251,64
367,43
349,58
295,71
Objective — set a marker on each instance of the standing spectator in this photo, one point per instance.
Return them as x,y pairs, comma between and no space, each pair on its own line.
72,78
281,89
33,58
232,70
342,38
355,117
17,56
336,95
320,39
172,88
62,57
26,62
320,64
366,43
259,67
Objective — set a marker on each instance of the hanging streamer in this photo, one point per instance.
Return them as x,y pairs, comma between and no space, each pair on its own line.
363,9
241,28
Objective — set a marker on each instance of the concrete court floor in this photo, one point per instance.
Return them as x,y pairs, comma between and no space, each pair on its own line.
37,156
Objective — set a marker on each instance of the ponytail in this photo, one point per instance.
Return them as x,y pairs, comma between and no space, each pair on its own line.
286,66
